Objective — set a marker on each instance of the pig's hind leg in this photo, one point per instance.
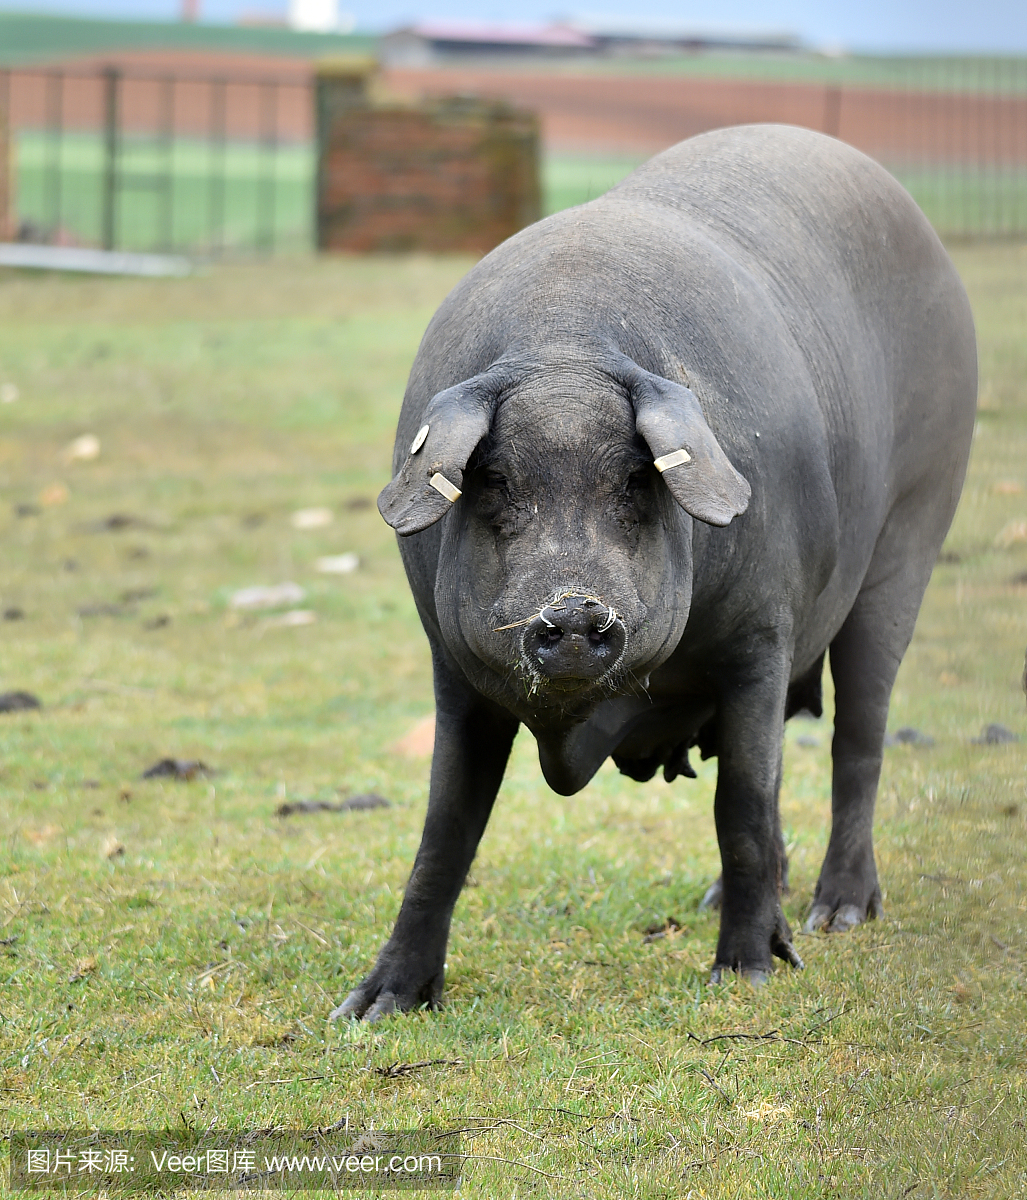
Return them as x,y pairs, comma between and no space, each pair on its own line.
865,657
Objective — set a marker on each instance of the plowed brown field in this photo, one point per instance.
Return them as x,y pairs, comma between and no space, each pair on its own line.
620,114
238,96
636,115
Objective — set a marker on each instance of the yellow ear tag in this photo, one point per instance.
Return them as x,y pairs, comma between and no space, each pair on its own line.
674,459
442,485
418,441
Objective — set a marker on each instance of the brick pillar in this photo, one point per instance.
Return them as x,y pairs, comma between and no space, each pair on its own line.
340,86
455,174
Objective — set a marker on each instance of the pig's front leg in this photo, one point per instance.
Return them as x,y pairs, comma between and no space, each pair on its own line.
750,728
472,745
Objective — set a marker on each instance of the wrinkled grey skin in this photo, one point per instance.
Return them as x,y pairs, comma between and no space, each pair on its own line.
773,302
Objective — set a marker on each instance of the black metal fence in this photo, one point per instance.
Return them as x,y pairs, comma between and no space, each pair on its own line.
953,130
216,163
149,161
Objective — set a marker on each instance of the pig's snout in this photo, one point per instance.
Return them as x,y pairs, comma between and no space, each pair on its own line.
575,638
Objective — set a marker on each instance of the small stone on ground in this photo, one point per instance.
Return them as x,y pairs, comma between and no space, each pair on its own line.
275,595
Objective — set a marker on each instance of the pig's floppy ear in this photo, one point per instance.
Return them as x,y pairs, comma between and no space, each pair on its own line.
686,452
429,481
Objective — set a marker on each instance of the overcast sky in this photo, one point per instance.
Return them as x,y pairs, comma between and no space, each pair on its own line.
985,25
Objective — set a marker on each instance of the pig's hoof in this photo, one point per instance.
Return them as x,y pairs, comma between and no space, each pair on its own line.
714,895
354,1008
839,916
744,956
752,975
784,949
380,996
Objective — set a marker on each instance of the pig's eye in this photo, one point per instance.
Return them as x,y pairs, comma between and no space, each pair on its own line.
628,510
497,506
637,481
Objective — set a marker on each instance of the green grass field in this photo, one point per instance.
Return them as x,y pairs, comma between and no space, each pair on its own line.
269,200
142,224
169,950
961,202
29,37
246,199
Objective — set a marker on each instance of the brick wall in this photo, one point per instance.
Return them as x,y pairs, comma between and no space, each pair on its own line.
450,174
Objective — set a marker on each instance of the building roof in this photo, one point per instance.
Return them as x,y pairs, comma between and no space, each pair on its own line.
604,28
487,33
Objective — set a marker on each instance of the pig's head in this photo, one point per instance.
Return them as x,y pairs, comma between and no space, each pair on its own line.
565,569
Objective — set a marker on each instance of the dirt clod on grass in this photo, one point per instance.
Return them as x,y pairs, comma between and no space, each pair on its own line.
908,736
397,1070
117,522
177,768
667,928
104,610
995,735
358,803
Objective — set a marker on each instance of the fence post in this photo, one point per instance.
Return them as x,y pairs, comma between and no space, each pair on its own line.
6,160
267,183
55,121
167,192
109,200
216,181
340,86
832,110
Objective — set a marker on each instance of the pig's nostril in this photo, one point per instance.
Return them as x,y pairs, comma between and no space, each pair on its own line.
576,640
